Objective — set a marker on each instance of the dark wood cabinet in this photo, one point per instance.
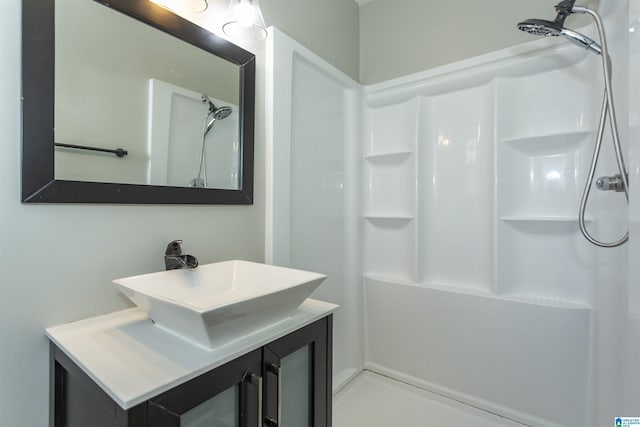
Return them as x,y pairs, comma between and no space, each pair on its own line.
286,383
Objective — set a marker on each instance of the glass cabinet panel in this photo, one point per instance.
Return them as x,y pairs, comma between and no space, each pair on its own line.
224,397
297,388
297,378
221,410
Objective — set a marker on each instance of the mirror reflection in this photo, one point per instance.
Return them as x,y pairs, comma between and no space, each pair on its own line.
167,110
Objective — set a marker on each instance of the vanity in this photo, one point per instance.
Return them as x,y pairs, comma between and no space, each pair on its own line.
124,369
121,370
227,344
136,367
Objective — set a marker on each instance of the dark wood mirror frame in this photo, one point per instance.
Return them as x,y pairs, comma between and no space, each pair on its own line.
38,64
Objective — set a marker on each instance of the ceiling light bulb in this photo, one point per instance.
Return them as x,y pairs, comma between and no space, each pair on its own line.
246,14
244,21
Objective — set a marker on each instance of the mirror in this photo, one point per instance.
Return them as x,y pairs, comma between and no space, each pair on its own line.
132,104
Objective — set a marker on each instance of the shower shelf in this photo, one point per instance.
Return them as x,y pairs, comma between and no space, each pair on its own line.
392,157
390,216
542,219
548,140
548,301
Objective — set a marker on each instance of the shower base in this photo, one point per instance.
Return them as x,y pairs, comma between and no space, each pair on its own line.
372,400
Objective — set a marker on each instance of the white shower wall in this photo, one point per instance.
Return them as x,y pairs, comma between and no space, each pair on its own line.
456,188
312,191
483,268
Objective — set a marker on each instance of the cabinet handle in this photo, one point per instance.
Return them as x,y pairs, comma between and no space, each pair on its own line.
275,369
256,380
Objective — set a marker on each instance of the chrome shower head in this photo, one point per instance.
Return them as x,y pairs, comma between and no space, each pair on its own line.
217,113
541,27
223,112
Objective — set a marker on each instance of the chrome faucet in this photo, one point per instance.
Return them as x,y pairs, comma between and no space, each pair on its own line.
174,259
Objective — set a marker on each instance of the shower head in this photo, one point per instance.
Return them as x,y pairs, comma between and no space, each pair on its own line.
217,113
540,27
223,112
555,28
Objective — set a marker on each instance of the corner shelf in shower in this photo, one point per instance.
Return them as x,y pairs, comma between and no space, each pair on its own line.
390,185
539,176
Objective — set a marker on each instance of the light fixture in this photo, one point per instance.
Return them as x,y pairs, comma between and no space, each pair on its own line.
244,21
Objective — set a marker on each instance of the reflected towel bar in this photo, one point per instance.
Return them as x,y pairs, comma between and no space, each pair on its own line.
120,152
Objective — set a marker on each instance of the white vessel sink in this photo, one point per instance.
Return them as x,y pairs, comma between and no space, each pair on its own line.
216,303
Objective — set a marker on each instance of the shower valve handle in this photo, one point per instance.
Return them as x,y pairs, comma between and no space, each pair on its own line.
610,183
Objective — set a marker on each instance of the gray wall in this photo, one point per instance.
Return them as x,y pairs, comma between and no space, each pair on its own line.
58,260
400,37
327,27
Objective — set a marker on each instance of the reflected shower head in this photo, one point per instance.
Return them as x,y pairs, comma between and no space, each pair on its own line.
223,112
541,27
215,113
218,113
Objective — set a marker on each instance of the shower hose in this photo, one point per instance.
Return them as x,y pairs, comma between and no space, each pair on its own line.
608,110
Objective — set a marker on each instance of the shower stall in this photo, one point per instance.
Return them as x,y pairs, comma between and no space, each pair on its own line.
444,207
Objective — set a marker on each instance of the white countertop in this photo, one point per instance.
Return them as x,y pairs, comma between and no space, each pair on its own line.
133,360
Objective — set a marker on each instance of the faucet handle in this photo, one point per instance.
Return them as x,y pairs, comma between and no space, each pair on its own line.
174,248
174,259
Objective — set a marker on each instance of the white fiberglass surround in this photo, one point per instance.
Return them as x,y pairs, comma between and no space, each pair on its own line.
477,282
313,184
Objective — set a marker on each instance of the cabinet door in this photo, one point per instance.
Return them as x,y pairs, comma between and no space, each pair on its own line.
228,396
297,373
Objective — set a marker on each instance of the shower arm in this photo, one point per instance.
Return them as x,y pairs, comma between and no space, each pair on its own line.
608,110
